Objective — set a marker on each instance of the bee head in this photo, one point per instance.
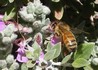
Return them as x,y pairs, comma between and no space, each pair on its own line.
54,24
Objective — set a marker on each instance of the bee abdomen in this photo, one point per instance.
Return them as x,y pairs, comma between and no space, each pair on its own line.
70,41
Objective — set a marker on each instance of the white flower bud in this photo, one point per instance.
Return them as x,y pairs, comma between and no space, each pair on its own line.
46,10
37,24
47,21
44,29
96,49
37,2
6,40
30,8
95,61
39,9
7,33
10,59
3,64
25,16
15,66
9,30
13,37
11,27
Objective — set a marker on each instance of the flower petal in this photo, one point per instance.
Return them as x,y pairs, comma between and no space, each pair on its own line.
2,26
21,58
55,39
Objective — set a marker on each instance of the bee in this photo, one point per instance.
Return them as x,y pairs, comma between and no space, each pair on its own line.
62,30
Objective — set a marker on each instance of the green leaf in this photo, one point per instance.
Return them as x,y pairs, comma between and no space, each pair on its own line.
10,15
80,62
88,67
50,55
66,58
10,1
58,49
49,46
37,50
29,54
35,45
36,53
24,67
53,52
84,51
29,64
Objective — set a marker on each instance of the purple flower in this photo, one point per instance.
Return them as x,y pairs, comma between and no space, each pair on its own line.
54,39
41,57
1,17
2,26
21,57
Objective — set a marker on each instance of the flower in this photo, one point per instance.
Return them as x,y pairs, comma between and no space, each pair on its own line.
38,38
21,53
41,57
95,61
54,39
1,16
27,30
2,26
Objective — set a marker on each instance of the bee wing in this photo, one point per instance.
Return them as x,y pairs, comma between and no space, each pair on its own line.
79,29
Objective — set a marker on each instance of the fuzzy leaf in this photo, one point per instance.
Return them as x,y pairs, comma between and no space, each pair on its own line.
66,58
29,64
58,49
24,67
37,50
50,55
10,15
36,53
88,68
49,46
53,52
35,45
84,51
29,54
80,62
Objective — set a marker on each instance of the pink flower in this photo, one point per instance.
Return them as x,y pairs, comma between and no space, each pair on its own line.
1,16
54,39
41,57
27,30
2,26
38,38
21,57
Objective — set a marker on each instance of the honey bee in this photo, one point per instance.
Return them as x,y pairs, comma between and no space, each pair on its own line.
62,30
